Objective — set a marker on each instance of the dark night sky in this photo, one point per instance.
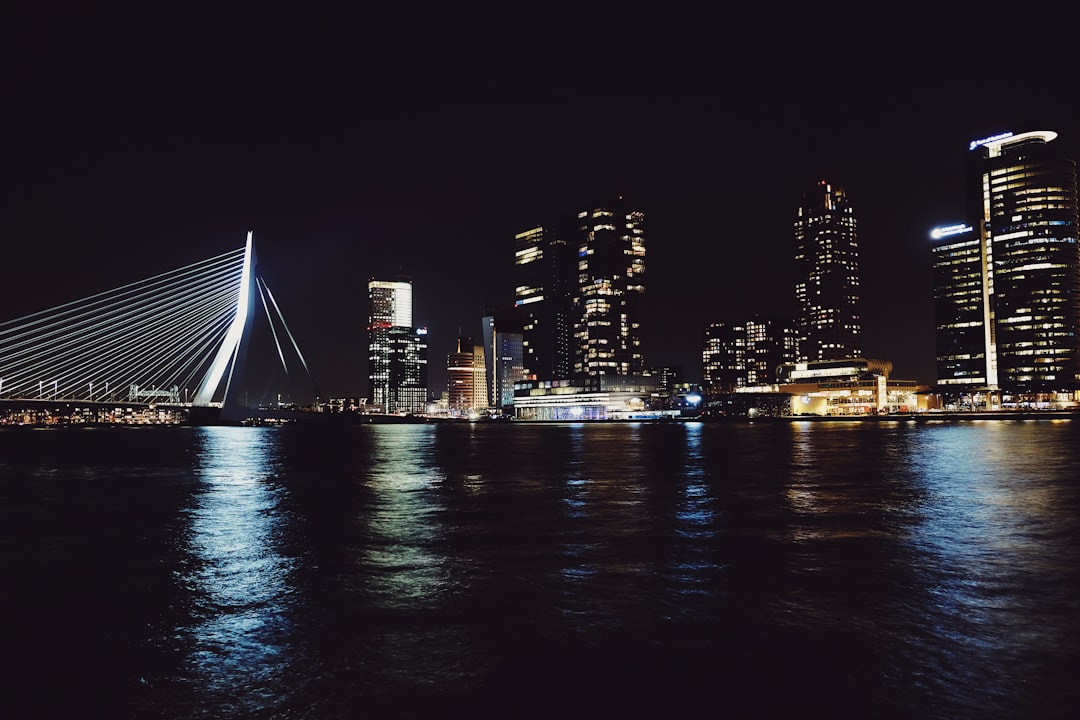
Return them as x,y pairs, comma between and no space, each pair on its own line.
122,162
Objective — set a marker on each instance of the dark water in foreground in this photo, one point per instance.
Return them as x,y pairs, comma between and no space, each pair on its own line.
615,570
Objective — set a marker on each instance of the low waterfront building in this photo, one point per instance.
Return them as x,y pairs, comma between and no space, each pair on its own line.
855,386
598,397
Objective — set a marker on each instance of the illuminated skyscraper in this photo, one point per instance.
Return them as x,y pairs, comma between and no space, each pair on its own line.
465,378
543,272
1007,286
397,351
503,356
771,341
610,245
723,357
827,276
743,355
961,309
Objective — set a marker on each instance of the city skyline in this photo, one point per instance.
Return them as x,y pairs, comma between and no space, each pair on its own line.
348,191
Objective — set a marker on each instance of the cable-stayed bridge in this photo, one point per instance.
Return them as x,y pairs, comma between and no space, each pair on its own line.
180,338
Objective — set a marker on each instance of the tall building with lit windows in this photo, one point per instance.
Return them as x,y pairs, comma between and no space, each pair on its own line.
771,341
723,357
397,351
827,275
466,376
961,309
610,244
503,356
543,294
748,354
1007,285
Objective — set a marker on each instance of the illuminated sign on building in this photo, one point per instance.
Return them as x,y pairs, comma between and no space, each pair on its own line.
947,230
993,138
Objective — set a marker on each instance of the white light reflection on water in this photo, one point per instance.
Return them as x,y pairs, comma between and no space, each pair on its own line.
691,571
695,514
1000,564
403,570
403,521
606,559
241,639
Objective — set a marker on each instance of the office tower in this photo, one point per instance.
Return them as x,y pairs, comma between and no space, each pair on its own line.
827,275
611,275
961,309
723,357
465,378
668,377
503,350
397,351
771,341
543,277
1021,254
748,354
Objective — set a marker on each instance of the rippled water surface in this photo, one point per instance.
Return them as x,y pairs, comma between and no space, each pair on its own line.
612,570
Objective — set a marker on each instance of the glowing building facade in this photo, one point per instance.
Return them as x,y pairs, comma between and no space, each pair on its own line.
1028,227
610,282
723,357
397,351
827,275
465,377
543,292
503,351
1007,285
747,355
961,309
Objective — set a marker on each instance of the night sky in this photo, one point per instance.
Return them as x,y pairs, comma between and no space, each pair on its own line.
122,162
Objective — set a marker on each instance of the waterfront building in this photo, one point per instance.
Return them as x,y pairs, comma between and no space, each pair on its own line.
771,340
827,275
598,397
961,310
465,377
668,377
1007,284
397,351
723,357
744,355
852,386
504,357
544,277
610,245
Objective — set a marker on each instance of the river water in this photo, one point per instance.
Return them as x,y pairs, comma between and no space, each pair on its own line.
886,569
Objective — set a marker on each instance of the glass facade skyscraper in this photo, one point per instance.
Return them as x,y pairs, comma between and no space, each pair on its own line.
397,351
1027,206
465,378
743,355
611,280
961,308
543,294
1007,286
827,276
503,357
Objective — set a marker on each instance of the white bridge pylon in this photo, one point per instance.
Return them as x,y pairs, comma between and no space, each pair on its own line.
152,340
231,357
233,351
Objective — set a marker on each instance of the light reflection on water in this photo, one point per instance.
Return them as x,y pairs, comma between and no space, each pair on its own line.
994,546
691,572
404,534
241,636
857,570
